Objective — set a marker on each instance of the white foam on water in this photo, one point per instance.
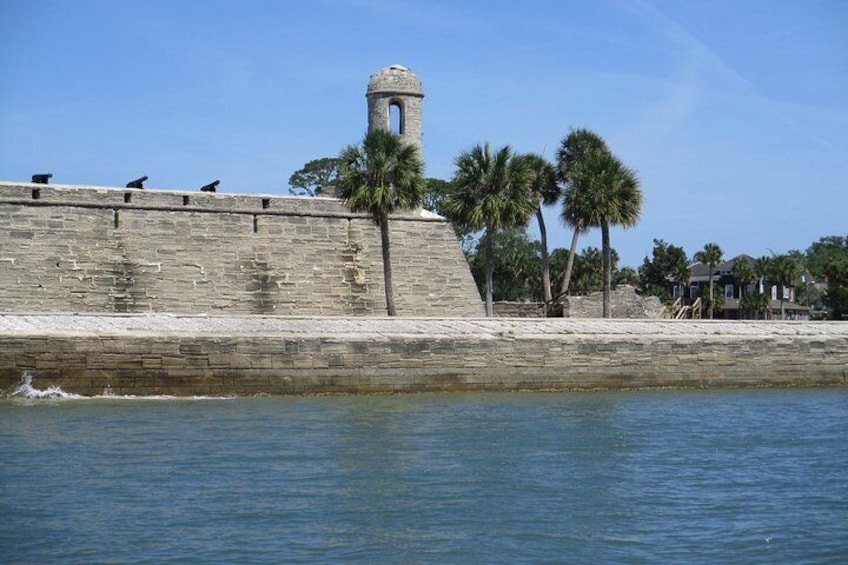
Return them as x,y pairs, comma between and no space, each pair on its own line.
27,391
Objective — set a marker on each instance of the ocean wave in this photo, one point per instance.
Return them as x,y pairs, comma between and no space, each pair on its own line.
26,391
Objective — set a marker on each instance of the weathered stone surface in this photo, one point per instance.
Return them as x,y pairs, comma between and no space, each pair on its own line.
84,249
400,87
624,302
167,354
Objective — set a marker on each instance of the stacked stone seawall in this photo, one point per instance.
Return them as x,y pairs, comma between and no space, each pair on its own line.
159,354
104,250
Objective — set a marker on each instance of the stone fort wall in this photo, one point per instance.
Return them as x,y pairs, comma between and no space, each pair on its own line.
111,250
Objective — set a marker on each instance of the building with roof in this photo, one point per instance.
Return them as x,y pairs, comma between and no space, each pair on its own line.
780,298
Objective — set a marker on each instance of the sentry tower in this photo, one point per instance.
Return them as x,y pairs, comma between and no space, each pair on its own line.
394,103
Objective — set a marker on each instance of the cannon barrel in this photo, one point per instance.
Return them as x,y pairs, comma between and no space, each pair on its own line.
42,178
211,187
137,183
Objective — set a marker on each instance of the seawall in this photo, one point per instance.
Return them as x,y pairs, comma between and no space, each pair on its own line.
205,355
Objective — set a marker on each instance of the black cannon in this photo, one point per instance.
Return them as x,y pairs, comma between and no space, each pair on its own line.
211,187
137,183
42,178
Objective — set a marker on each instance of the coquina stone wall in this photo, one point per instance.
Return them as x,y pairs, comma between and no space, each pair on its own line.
158,354
92,249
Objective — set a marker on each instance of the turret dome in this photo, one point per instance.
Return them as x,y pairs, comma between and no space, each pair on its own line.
395,79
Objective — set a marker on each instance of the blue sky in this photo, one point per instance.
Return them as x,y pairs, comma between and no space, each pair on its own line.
734,113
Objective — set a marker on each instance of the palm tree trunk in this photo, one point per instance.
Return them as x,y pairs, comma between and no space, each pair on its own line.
782,311
387,266
566,280
607,263
711,291
546,265
490,268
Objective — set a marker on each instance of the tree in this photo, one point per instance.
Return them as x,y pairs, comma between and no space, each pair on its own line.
745,274
315,176
437,191
754,303
516,272
763,268
712,299
490,194
625,275
784,270
711,256
828,257
379,176
542,184
574,149
603,192
826,252
668,262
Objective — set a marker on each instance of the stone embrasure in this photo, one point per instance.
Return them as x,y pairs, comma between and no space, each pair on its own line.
168,354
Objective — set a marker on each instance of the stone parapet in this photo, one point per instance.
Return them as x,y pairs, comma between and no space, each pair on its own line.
161,354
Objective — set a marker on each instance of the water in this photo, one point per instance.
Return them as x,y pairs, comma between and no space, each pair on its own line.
755,476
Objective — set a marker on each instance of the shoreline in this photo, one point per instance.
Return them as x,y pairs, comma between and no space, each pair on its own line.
188,355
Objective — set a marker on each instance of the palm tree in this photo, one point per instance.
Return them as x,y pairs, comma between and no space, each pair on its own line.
711,256
785,269
490,193
573,150
745,274
763,268
680,271
542,184
381,175
603,192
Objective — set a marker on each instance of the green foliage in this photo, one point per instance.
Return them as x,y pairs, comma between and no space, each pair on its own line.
543,187
437,191
516,267
783,271
381,175
541,179
314,177
625,275
828,257
603,192
491,194
745,273
600,192
667,261
754,305
711,256
516,273
712,300
828,254
587,271
574,150
434,200
490,190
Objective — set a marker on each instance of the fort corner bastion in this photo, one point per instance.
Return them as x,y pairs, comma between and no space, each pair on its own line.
110,250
